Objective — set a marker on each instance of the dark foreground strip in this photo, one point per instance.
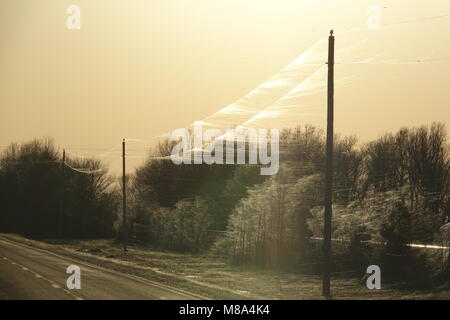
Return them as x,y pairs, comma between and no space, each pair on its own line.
214,309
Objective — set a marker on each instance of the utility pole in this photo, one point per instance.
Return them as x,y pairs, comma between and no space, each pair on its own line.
124,201
328,173
61,209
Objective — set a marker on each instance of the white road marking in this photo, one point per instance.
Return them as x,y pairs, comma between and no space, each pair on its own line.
37,275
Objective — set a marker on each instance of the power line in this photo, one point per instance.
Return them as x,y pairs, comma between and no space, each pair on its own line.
430,18
84,170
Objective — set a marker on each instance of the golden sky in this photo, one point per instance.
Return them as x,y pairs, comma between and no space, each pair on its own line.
139,68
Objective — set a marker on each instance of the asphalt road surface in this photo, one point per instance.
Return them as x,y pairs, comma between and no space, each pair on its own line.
30,273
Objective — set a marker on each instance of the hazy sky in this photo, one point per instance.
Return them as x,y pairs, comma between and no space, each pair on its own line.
139,68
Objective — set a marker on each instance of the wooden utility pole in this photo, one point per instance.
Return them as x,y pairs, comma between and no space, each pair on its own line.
61,209
124,200
328,173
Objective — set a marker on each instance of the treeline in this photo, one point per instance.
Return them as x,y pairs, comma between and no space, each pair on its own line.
387,193
41,198
159,185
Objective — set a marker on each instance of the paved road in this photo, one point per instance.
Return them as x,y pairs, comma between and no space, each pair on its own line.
30,273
